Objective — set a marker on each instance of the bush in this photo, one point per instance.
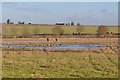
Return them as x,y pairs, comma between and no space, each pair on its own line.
80,29
26,32
78,24
102,31
72,23
57,30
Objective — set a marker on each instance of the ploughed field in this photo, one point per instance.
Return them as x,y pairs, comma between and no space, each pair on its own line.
83,63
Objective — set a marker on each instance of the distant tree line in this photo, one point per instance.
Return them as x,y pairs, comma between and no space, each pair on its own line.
27,32
19,22
22,22
9,22
72,24
102,31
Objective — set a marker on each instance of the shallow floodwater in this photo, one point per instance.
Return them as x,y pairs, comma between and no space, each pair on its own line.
64,46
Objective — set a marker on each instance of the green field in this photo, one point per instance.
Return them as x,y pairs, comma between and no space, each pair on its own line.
38,64
12,29
58,64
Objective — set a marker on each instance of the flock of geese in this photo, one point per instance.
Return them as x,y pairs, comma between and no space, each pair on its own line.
48,40
23,47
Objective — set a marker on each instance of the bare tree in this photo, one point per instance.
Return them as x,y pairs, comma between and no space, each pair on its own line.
78,24
26,32
8,21
80,29
72,23
102,30
57,30
21,22
29,23
11,23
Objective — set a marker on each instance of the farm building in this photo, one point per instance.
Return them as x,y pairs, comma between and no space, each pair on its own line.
59,23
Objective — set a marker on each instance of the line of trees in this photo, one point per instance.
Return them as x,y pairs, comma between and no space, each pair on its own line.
58,30
72,24
22,22
102,31
19,22
9,22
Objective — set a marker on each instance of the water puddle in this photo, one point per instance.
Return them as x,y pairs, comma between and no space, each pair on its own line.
64,46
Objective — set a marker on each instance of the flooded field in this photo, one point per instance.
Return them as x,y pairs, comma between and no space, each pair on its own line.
72,39
65,58
57,47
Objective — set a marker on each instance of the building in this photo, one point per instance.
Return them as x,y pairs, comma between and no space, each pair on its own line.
59,23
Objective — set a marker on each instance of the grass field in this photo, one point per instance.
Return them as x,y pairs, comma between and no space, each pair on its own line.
38,64
95,63
47,29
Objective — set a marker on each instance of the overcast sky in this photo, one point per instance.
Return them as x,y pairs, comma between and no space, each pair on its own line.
86,13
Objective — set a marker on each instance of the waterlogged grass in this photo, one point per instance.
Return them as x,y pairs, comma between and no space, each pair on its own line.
39,64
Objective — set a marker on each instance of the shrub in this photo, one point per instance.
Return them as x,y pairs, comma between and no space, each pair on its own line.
8,21
78,24
102,31
26,32
72,23
80,29
57,30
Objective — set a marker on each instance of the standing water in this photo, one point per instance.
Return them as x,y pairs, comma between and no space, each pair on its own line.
64,46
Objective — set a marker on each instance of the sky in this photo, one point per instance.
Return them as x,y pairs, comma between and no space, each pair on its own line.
86,13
